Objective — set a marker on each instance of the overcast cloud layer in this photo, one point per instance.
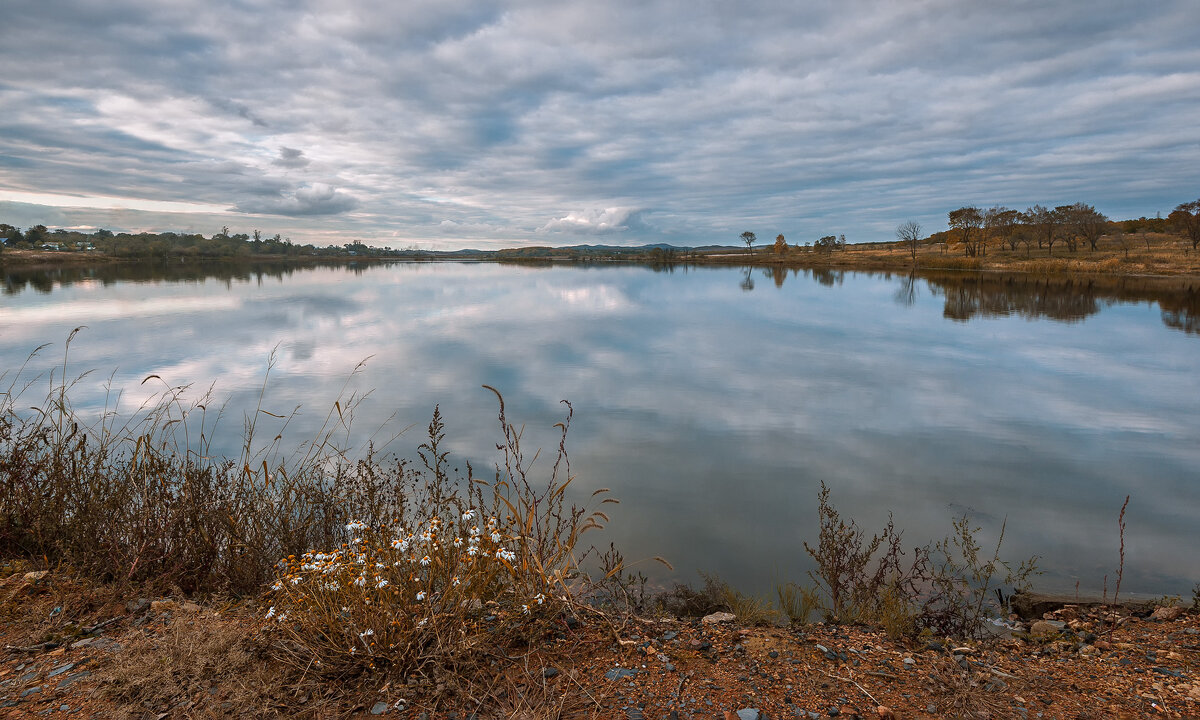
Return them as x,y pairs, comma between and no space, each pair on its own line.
460,123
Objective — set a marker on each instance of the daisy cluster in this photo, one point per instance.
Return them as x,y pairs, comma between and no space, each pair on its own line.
397,579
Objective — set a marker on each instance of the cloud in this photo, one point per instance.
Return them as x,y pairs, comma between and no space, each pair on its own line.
290,158
314,199
596,222
801,118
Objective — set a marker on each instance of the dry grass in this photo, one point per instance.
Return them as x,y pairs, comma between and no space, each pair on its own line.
1134,254
199,666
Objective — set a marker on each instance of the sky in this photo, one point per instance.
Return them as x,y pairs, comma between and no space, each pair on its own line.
444,124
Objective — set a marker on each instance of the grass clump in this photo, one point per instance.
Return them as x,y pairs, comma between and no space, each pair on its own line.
945,589
463,567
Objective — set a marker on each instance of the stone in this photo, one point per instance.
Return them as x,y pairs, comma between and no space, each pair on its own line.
1043,628
30,691
33,578
137,606
1167,613
159,606
72,679
749,714
549,672
619,673
60,670
379,708
190,607
718,617
669,635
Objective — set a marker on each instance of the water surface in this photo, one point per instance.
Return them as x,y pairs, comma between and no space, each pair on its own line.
714,401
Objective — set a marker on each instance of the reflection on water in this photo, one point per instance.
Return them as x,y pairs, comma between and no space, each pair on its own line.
713,401
1066,299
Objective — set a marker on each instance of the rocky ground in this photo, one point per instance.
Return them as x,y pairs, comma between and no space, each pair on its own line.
71,649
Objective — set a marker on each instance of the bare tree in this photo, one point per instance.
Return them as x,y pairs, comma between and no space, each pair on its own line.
909,235
1046,224
999,222
1186,217
749,238
1086,222
968,221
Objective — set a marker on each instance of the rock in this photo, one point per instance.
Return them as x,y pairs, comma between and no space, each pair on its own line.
909,662
33,578
137,606
72,679
1167,613
885,713
549,672
749,714
379,708
618,673
31,691
1043,628
963,650
1167,671
669,635
190,607
159,606
60,670
718,617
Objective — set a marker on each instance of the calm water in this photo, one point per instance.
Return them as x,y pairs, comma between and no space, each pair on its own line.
712,401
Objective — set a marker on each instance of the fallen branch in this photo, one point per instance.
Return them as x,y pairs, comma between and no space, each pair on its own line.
855,684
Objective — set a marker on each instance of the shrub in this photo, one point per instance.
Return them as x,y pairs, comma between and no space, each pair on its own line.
945,588
464,564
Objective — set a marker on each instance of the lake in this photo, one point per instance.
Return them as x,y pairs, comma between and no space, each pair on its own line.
712,401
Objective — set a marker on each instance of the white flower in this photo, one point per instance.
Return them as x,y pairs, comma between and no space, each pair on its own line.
360,581
295,581
277,586
281,617
381,584
495,537
540,598
525,609
356,526
469,515
366,633
401,545
457,542
425,560
420,596
270,613
422,623
472,551
455,582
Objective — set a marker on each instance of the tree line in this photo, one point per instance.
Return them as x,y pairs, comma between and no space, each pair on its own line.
1073,226
221,245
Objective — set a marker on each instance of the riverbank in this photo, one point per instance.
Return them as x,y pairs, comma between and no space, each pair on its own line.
72,648
1150,254
1134,255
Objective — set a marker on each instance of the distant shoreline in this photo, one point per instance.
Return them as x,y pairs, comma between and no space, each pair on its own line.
1155,256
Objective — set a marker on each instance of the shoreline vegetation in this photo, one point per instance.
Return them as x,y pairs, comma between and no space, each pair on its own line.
1071,239
331,576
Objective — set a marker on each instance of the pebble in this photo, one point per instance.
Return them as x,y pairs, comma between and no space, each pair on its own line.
717,618
60,670
749,714
909,662
30,691
549,672
379,708
618,673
